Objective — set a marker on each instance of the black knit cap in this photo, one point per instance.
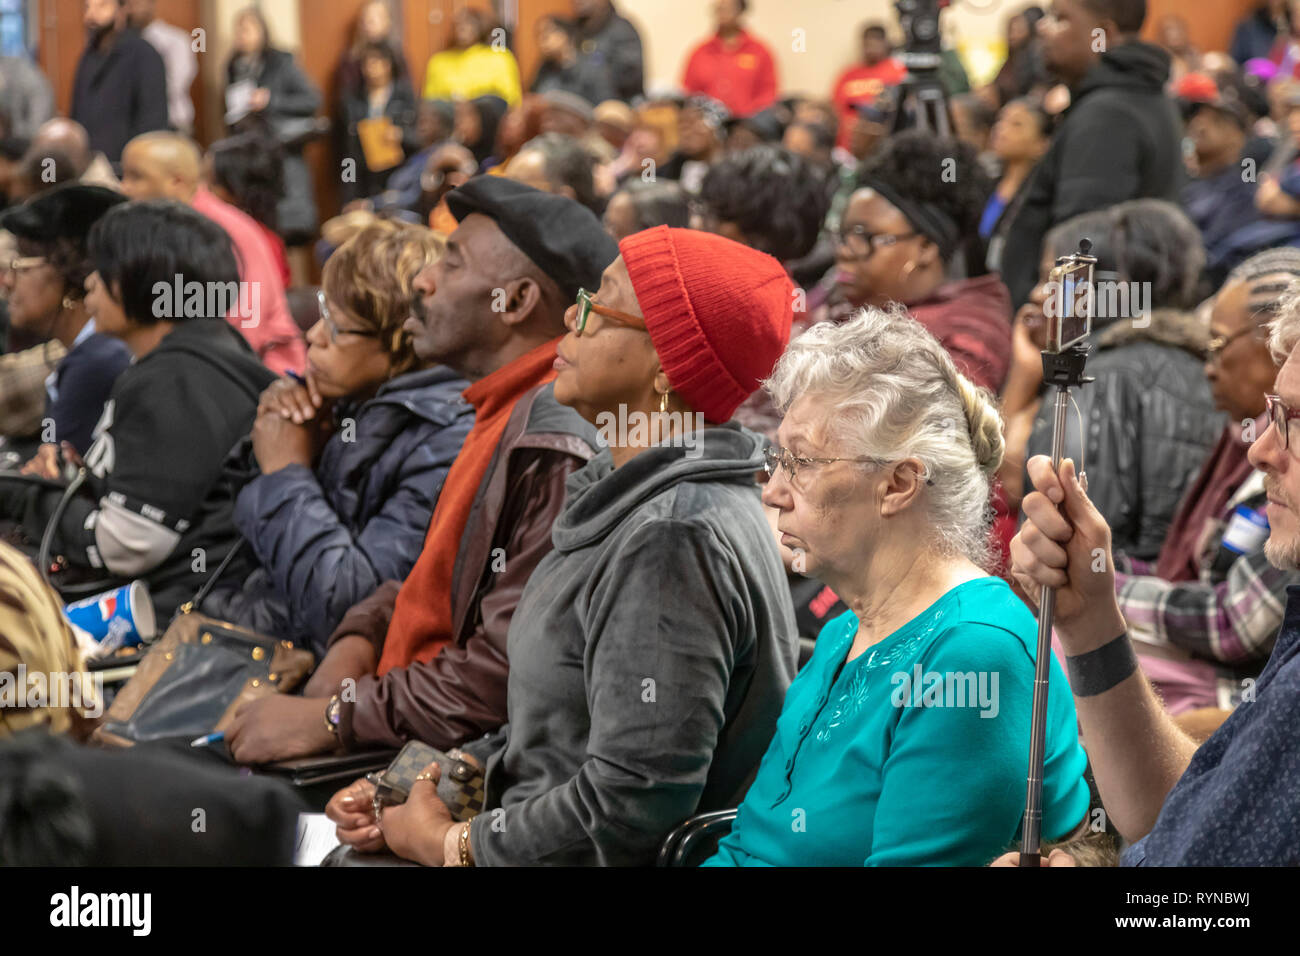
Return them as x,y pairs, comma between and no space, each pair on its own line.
562,238
64,212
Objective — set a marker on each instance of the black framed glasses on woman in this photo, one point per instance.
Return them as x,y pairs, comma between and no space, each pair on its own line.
328,318
1280,416
862,243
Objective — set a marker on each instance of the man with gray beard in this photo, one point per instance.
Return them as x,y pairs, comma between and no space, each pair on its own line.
1235,799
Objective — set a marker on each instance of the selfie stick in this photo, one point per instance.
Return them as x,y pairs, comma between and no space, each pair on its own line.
1064,370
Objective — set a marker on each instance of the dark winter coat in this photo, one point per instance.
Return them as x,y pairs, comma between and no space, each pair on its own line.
326,539
584,77
614,45
119,93
401,109
1119,140
294,100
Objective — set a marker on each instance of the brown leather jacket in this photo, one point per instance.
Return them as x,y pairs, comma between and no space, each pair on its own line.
461,693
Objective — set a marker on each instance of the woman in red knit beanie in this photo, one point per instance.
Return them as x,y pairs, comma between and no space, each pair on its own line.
652,648
695,323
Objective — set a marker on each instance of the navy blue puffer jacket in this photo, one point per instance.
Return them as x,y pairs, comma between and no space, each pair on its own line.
327,539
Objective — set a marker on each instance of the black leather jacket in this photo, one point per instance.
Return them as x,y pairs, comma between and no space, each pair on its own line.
1148,423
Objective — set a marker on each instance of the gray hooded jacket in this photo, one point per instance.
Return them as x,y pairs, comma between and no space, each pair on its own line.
649,657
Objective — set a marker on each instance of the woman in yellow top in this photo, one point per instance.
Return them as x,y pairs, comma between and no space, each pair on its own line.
471,67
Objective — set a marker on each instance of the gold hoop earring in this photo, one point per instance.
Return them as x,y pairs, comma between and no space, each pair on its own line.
68,303
663,403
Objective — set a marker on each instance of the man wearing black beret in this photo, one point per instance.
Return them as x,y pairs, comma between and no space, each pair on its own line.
45,286
426,659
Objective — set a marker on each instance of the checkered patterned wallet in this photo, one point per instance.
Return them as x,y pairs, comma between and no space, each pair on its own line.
460,786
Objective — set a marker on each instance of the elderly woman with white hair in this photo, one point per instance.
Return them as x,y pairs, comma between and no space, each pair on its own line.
905,740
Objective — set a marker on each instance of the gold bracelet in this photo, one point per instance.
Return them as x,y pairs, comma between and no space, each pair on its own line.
464,844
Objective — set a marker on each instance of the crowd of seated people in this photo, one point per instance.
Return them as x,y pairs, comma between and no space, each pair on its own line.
155,506
669,453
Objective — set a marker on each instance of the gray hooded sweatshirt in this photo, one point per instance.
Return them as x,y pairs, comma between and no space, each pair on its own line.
649,657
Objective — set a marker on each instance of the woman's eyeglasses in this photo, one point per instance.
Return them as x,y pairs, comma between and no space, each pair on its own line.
1217,344
334,331
587,305
775,457
1280,416
862,243
24,264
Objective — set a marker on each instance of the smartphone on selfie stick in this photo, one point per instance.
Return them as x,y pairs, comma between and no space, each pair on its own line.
1069,311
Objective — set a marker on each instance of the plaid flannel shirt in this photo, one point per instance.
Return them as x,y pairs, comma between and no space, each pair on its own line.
22,388
1230,619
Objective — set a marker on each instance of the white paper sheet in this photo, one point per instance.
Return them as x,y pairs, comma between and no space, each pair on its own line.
316,837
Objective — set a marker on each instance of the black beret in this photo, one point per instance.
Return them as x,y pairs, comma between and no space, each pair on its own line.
64,212
562,238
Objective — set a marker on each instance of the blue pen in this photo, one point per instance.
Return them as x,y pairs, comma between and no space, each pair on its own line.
300,379
216,738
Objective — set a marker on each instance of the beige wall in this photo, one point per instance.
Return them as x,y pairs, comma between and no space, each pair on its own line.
831,30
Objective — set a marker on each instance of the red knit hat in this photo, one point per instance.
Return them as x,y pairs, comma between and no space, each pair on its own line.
718,313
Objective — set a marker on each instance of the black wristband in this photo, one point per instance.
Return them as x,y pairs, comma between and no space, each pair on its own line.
1098,671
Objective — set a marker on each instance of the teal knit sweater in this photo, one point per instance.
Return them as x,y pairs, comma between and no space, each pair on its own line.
916,751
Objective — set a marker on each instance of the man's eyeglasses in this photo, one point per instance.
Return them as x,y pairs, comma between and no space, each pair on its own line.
334,331
1220,342
1280,416
24,264
587,305
862,243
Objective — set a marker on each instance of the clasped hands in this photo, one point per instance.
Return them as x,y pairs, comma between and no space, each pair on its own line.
292,423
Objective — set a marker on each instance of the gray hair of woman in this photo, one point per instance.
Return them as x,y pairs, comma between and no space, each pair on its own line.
1284,329
892,392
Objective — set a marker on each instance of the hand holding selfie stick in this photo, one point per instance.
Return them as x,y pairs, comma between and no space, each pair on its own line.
1069,321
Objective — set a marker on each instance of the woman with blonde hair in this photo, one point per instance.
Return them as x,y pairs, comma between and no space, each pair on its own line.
882,489
350,460
43,681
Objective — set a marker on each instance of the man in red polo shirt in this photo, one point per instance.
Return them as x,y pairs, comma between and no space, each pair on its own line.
732,66
861,85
